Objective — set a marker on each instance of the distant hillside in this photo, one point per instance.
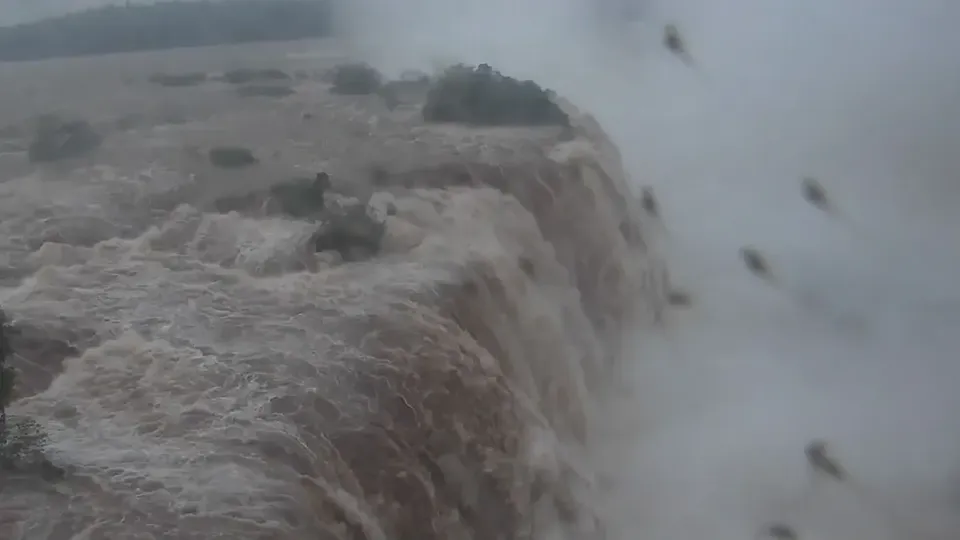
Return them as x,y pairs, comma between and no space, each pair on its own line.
165,25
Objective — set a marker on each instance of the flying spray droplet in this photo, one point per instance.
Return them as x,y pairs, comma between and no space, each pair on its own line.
649,202
679,298
816,453
672,39
814,193
779,531
674,42
755,262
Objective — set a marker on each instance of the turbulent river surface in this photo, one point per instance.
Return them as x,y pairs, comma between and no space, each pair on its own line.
205,374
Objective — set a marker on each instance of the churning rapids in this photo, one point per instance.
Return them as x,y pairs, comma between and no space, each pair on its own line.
206,375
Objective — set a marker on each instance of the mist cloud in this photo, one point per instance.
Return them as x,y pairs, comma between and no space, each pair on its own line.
858,343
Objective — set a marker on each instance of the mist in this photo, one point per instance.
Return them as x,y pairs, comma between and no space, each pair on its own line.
856,340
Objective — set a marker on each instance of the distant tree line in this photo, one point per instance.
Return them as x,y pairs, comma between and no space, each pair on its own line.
165,25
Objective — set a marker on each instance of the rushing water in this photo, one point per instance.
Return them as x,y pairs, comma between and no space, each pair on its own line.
207,375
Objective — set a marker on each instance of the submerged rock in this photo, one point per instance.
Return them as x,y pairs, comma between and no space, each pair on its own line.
57,139
232,157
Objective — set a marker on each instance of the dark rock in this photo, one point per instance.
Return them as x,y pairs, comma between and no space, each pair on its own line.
483,96
265,90
57,139
350,231
178,80
232,157
7,373
298,198
243,76
355,80
301,197
40,352
22,440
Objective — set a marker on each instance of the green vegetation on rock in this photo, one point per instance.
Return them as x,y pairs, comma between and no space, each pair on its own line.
355,80
165,25
482,96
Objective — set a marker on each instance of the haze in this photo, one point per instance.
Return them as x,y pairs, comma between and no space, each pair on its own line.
858,342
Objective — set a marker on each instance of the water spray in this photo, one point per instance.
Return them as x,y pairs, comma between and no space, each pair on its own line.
675,43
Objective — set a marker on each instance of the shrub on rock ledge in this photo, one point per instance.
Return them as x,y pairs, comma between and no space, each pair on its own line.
56,139
178,80
355,80
231,157
482,96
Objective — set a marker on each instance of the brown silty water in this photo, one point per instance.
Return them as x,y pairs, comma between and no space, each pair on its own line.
205,375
